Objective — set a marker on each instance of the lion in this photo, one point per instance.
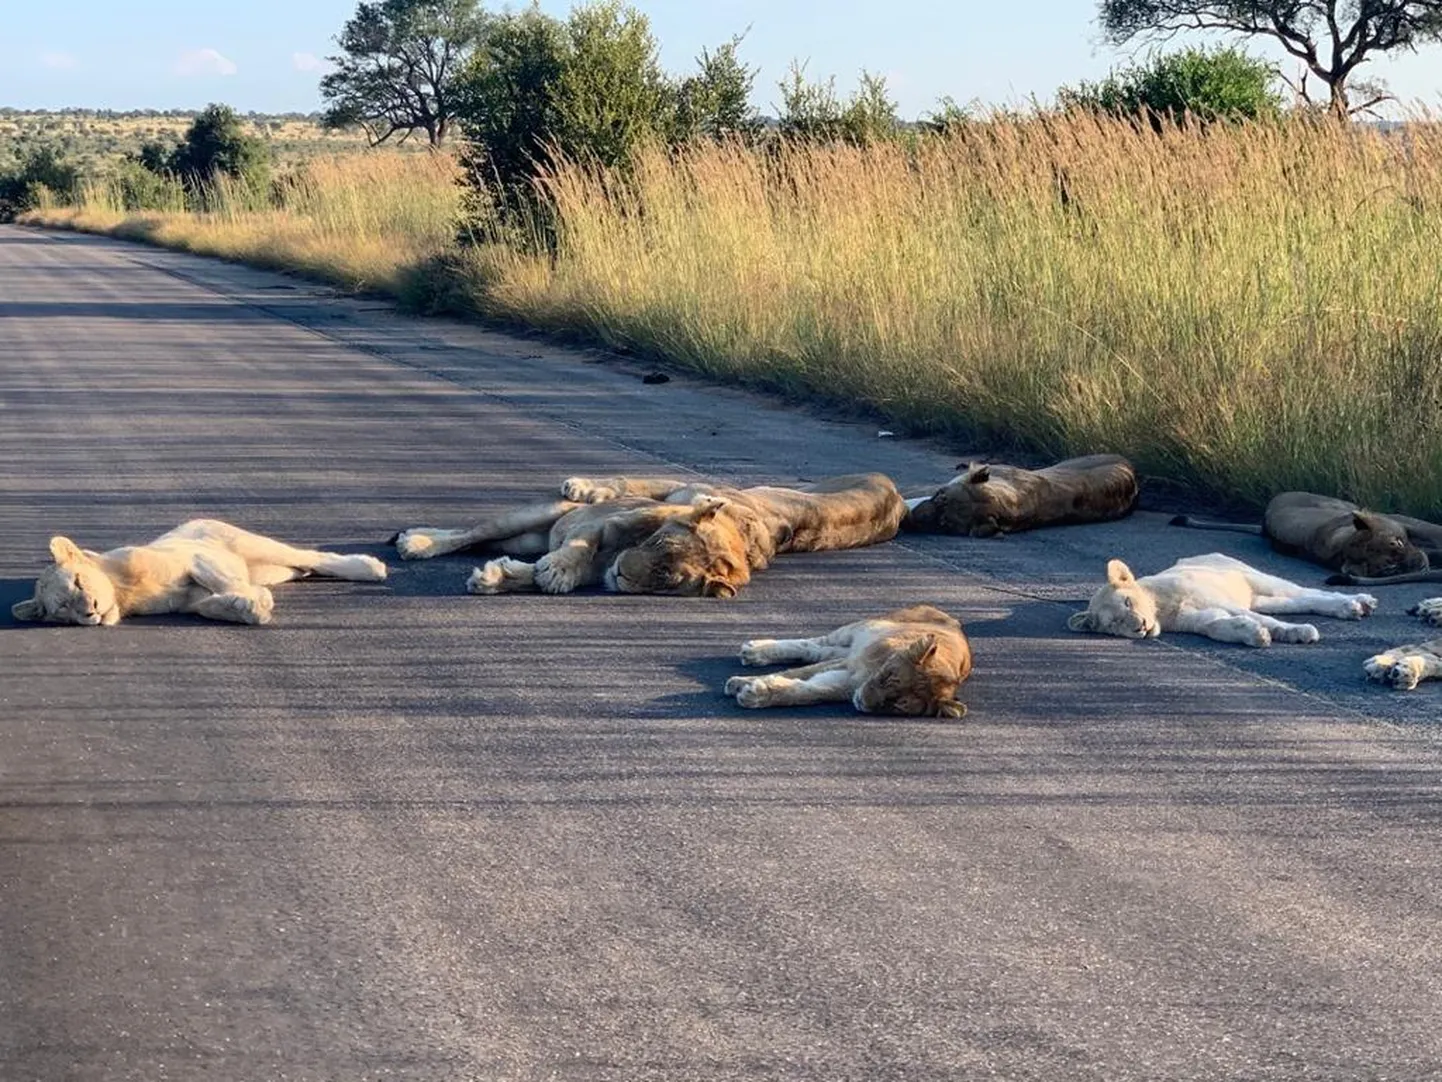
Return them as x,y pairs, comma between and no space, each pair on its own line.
1404,667
205,567
1212,595
665,535
1366,548
908,662
988,500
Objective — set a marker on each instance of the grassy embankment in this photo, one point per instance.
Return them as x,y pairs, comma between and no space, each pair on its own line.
1252,309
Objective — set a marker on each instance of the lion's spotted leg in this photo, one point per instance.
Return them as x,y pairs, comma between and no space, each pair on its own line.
426,542
502,576
250,608
828,682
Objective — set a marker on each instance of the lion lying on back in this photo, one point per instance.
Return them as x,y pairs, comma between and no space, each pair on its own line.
205,567
665,535
1367,548
908,662
1215,596
987,500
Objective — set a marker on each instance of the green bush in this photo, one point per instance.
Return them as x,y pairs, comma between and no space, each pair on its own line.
1224,84
40,169
216,144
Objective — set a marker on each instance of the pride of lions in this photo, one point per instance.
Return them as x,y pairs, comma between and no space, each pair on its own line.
662,535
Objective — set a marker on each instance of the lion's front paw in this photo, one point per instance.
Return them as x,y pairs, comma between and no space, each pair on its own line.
754,694
584,490
262,606
559,572
415,544
487,579
1378,665
757,651
736,683
1298,633
1406,672
1359,605
1429,610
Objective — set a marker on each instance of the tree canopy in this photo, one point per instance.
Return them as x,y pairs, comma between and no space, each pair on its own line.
1332,38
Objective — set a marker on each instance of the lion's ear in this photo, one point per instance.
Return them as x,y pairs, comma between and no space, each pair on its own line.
27,610
1119,574
1082,621
922,649
978,473
705,507
950,709
66,552
718,588
1361,521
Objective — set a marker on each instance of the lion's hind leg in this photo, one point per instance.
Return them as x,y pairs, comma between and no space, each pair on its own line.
272,562
1303,599
833,644
502,576
425,542
825,682
1404,667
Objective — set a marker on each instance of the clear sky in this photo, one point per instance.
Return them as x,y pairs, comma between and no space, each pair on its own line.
267,55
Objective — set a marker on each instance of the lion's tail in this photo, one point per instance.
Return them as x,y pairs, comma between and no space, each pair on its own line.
1212,524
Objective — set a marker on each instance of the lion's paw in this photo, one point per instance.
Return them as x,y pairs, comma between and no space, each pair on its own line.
1403,673
1377,666
262,606
1429,610
1297,633
584,490
736,683
1358,606
757,651
487,579
558,573
754,694
415,544
361,568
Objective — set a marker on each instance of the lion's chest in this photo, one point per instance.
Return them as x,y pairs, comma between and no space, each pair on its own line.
149,580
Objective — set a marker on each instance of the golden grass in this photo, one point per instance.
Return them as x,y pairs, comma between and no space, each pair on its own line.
1253,308
363,221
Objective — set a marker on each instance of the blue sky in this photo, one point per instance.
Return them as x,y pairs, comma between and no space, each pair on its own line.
265,54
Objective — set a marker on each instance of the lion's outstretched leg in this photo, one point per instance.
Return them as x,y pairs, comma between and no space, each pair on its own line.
602,489
1404,667
425,542
1303,599
502,576
1224,625
254,607
776,651
826,682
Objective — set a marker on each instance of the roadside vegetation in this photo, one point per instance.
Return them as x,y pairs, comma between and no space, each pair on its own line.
1170,264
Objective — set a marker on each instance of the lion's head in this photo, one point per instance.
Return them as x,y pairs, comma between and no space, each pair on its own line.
914,681
1121,607
962,506
697,555
1379,547
72,590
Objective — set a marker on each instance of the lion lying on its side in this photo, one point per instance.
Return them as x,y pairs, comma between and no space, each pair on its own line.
987,500
908,662
1367,548
1404,667
664,535
1215,596
204,567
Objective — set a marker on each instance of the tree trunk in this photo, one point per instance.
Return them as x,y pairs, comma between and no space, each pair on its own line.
1338,87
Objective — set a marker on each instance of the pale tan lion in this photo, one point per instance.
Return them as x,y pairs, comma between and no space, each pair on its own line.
987,500
908,662
204,567
665,535
1367,548
1404,667
1212,595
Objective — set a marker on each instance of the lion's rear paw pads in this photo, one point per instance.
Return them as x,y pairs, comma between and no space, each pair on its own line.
1403,673
756,651
754,693
414,544
1429,610
736,683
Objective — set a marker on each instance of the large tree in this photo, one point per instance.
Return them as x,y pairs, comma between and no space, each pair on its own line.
399,60
1332,38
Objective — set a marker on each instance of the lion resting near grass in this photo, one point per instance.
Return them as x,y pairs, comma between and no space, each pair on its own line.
664,535
987,500
1367,548
204,567
908,662
1215,596
1404,667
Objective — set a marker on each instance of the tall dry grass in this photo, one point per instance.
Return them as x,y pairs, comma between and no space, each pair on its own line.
363,221
1255,308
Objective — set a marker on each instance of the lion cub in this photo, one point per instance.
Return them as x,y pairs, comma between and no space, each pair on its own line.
206,567
1404,667
1212,595
907,662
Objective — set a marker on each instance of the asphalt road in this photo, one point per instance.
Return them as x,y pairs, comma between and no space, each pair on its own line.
404,833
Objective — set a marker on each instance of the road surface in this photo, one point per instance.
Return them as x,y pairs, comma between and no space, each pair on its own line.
404,833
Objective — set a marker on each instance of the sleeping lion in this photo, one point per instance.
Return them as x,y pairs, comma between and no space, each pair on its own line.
1404,667
908,662
1215,596
664,535
987,500
1366,548
204,567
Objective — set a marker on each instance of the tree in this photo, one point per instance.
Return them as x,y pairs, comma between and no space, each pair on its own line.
216,143
399,62
1225,84
1332,38
812,111
716,102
